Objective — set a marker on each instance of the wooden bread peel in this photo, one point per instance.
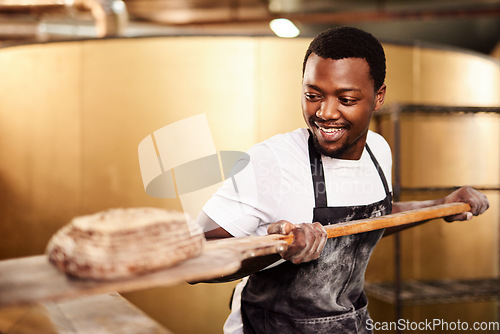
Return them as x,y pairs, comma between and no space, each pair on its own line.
33,279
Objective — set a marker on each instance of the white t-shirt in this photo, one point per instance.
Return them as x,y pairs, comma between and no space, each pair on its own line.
277,185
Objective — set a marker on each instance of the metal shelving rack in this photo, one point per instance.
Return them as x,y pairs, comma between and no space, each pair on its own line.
401,293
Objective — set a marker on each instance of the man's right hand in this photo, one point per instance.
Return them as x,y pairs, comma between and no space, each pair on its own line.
308,242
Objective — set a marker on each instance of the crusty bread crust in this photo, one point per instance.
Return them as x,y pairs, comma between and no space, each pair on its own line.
121,243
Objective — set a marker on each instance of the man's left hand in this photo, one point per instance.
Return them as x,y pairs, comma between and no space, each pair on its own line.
478,202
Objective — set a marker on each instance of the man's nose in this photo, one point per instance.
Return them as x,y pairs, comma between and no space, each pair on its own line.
328,110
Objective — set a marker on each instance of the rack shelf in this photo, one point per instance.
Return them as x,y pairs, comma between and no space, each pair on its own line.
413,292
427,108
437,291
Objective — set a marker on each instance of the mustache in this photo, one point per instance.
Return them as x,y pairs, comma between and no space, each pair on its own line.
330,124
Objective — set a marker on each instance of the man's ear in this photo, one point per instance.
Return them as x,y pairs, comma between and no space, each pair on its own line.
380,97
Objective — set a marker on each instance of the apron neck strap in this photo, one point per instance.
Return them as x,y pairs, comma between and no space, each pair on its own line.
318,175
379,170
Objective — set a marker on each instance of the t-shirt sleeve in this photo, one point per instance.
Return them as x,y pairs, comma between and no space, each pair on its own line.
246,202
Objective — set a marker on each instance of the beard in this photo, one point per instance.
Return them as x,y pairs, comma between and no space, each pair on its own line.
336,153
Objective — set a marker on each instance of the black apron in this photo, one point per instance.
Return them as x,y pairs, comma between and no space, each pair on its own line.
325,295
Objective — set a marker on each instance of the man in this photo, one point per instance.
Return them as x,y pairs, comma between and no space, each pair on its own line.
334,171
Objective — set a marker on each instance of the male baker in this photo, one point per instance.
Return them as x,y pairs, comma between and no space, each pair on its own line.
334,171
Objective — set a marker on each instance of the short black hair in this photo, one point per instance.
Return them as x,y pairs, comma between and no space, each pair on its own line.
348,42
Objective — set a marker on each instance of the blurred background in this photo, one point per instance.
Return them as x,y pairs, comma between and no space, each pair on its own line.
83,82
469,24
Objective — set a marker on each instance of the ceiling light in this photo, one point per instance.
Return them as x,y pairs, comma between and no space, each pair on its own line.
284,28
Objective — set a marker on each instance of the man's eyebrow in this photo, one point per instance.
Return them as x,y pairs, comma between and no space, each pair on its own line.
350,89
314,87
338,91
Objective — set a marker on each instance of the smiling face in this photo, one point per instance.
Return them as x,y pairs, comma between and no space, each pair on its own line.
338,100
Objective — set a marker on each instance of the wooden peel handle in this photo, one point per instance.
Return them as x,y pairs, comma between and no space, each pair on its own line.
392,220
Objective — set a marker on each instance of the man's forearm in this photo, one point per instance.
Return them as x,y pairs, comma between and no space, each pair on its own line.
407,206
413,205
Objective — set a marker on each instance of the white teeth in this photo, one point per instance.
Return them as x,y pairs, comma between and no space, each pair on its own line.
329,130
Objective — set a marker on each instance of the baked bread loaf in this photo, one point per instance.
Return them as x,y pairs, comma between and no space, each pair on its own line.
120,243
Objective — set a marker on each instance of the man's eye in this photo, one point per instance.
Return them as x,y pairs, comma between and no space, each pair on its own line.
312,97
347,101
